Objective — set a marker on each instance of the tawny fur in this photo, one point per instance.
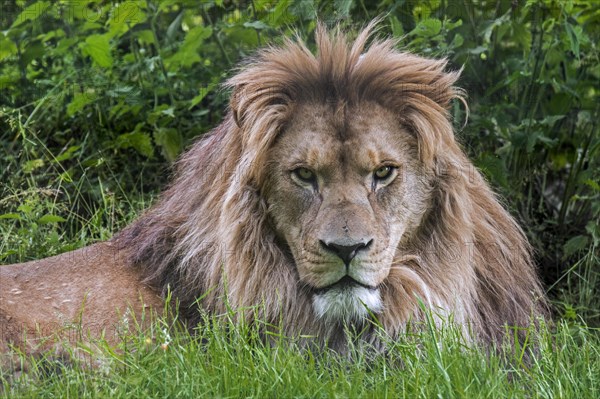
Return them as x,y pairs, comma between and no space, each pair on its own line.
214,233
92,292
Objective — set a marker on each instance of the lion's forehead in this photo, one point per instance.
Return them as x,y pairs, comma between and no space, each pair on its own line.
369,136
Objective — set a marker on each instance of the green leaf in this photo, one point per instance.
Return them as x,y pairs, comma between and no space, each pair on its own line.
593,227
141,142
169,112
125,16
145,36
575,245
203,92
15,216
7,47
493,167
593,184
66,176
477,50
68,154
32,165
170,141
574,34
79,101
25,208
188,51
343,7
281,15
428,27
98,47
48,218
31,13
174,27
551,120
397,29
305,9
457,41
259,25
34,50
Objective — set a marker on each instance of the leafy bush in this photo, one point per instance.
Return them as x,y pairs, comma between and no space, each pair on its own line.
99,97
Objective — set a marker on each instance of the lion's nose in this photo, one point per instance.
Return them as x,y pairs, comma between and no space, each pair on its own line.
346,251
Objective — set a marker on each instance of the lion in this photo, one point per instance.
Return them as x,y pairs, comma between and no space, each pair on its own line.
333,193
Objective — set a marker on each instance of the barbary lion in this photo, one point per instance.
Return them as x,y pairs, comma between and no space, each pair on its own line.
333,192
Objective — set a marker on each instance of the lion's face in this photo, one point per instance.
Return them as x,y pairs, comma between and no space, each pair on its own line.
342,192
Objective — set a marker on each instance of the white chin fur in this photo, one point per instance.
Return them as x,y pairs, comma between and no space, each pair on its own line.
347,303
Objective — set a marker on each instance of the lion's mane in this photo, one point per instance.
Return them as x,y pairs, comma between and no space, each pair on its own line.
209,236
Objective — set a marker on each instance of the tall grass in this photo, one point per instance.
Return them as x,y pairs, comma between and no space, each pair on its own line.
223,359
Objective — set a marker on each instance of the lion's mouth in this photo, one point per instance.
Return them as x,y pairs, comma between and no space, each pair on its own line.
347,301
345,282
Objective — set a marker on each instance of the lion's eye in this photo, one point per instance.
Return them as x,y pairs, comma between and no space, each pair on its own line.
384,175
304,174
383,172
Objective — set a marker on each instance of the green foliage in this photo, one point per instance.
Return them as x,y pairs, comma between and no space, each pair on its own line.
98,97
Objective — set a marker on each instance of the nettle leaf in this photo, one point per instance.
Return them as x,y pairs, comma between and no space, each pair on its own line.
258,25
25,208
593,184
7,47
203,92
574,33
477,50
188,51
343,7
494,168
80,100
538,136
139,141
280,14
457,41
396,25
551,120
124,17
428,27
68,154
170,140
174,27
48,219
31,13
98,48
575,245
304,10
169,112
145,36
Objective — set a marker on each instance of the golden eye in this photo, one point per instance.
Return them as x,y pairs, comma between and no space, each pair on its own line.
383,172
305,174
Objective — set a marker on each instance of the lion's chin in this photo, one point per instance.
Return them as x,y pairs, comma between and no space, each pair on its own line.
347,303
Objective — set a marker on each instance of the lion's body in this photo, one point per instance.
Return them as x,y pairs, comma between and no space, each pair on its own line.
73,296
334,190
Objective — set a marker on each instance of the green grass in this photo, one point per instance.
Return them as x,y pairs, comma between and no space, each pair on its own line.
226,360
